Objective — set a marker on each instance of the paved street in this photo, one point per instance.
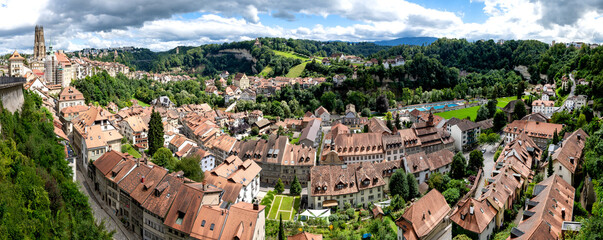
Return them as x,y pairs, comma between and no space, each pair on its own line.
488,167
99,212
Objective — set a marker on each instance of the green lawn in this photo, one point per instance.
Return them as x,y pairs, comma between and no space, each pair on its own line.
290,55
461,113
297,70
266,71
502,102
141,103
286,206
129,149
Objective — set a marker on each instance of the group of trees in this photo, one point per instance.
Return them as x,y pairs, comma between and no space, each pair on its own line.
38,198
404,185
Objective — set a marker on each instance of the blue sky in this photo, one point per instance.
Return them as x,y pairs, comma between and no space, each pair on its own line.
161,25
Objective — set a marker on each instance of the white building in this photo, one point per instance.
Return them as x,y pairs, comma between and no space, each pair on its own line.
424,165
545,107
239,179
464,132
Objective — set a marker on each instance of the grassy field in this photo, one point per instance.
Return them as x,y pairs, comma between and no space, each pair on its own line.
460,114
290,55
286,206
129,149
297,70
502,102
141,103
266,71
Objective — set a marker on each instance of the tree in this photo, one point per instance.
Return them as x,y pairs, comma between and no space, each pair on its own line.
437,181
413,186
365,129
500,120
191,168
482,113
366,112
520,110
451,195
555,139
398,184
461,237
382,104
459,162
155,133
255,131
550,171
493,138
397,121
296,187
163,157
280,187
491,107
328,100
281,228
581,121
521,87
476,160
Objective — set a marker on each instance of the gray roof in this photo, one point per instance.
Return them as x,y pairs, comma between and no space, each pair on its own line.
310,132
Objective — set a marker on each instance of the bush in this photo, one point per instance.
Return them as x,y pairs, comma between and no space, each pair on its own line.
364,213
451,195
333,218
350,212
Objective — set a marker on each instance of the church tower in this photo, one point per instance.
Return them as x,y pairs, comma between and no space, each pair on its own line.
39,46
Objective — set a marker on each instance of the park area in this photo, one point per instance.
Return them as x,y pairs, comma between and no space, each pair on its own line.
471,112
283,205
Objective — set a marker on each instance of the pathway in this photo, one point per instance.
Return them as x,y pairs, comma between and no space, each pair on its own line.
100,211
488,168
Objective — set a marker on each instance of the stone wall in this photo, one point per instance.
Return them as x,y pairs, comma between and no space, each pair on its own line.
12,96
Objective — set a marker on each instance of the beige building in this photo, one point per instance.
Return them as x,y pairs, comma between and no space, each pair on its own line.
15,65
426,219
70,97
567,159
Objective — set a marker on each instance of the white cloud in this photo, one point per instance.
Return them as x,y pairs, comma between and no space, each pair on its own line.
159,25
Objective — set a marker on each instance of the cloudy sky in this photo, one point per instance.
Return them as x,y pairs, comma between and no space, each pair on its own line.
161,25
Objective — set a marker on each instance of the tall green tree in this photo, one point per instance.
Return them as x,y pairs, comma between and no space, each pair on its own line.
520,110
482,113
500,120
555,139
459,165
476,160
296,187
398,184
491,107
550,171
413,186
280,187
155,133
281,228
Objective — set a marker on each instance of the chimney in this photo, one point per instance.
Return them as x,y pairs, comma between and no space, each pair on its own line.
579,137
471,209
255,206
142,179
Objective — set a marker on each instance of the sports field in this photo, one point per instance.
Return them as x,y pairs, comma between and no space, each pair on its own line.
460,114
286,206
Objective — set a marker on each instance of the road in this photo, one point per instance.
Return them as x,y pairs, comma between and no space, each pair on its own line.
571,94
488,167
99,212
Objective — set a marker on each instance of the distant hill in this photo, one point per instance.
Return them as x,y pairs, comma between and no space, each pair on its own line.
407,41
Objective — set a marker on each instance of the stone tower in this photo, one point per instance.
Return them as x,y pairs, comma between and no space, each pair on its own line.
39,46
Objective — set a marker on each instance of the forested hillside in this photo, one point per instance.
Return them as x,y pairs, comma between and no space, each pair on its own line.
38,200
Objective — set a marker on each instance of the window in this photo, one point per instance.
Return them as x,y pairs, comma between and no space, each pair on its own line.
203,223
559,167
211,227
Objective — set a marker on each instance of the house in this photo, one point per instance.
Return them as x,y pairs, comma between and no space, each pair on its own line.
486,124
536,117
545,107
549,209
311,134
158,203
540,132
567,159
239,179
222,147
334,185
377,212
323,114
69,97
101,168
476,218
305,236
241,81
179,142
426,219
431,138
353,148
464,132
263,125
501,191
326,62
240,221
163,101
422,165
278,158
135,130
376,125
352,119
248,95
207,160
575,102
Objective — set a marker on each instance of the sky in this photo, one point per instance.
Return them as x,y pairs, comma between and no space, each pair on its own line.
162,25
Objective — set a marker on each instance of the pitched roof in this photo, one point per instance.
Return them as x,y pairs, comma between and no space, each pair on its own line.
241,221
426,213
533,129
571,150
208,223
421,161
16,56
536,117
107,161
305,236
473,215
376,125
185,207
70,93
320,110
344,179
552,204
311,131
163,195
